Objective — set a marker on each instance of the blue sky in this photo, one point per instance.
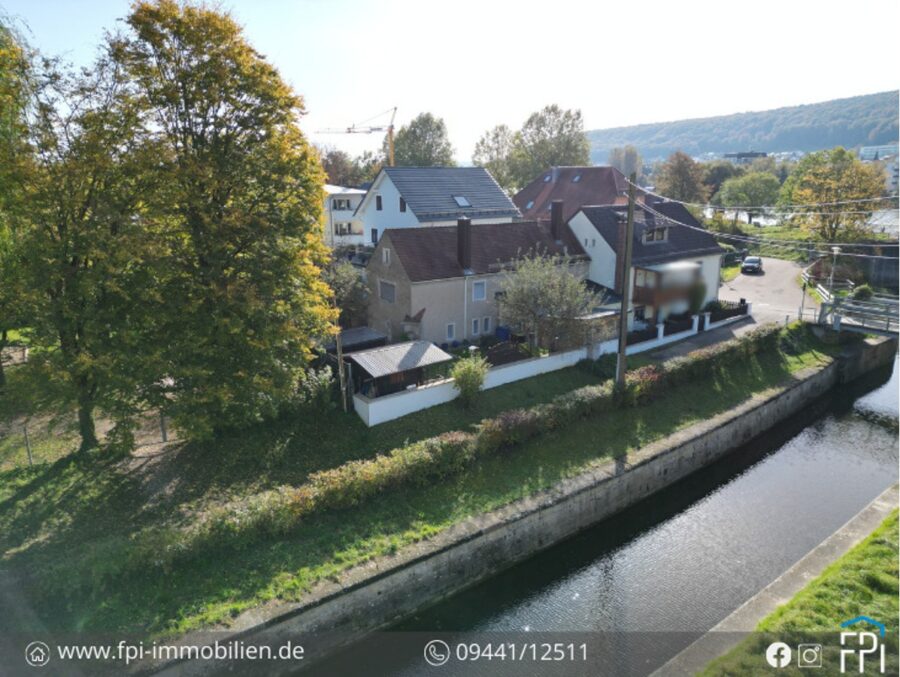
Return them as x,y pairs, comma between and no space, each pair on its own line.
481,63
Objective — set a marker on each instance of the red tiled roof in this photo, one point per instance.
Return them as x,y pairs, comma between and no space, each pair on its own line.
595,186
429,253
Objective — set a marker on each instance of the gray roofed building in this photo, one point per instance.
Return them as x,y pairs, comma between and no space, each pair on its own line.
436,193
408,197
399,357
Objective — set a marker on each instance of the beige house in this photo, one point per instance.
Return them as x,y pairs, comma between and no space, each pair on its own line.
441,283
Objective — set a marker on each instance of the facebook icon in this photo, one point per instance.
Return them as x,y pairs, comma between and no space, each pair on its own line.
778,655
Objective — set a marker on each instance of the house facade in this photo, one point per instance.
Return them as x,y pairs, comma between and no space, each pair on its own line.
342,229
668,259
411,197
441,283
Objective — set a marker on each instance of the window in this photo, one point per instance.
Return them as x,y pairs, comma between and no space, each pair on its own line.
486,325
374,236
547,179
451,331
576,178
402,205
461,201
585,242
475,327
342,228
530,204
378,202
639,313
593,242
386,256
386,291
341,204
479,291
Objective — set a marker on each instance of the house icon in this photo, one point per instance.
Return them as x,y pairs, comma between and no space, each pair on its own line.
37,654
865,619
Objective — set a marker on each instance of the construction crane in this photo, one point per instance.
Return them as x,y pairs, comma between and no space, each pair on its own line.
362,128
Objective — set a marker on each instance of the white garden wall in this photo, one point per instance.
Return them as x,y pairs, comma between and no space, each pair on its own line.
389,407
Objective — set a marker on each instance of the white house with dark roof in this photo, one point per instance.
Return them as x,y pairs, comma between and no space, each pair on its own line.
408,197
671,253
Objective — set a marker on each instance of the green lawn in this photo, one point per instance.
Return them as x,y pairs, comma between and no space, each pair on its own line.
864,582
60,525
730,272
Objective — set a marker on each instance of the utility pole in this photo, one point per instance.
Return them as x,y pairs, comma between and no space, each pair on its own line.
340,357
626,285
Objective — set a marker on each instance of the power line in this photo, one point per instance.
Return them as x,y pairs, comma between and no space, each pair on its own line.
774,208
774,243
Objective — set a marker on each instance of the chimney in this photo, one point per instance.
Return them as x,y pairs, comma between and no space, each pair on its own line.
620,254
464,243
556,220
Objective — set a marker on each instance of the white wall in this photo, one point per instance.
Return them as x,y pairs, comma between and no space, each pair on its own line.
390,215
333,216
603,258
709,269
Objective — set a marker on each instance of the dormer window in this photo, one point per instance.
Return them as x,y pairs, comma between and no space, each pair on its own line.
462,201
656,235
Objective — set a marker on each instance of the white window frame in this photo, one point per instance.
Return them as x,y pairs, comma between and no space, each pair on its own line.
483,287
486,324
476,326
386,256
451,331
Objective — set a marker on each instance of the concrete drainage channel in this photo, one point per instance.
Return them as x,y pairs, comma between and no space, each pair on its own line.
380,593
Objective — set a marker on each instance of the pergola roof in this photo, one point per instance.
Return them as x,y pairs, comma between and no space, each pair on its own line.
399,357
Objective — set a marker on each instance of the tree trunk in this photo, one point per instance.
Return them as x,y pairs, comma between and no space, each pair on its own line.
86,427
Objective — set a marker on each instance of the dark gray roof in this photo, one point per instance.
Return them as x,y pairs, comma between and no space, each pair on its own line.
681,243
429,192
399,357
357,338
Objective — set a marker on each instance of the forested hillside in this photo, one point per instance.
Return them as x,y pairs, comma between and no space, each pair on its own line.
859,120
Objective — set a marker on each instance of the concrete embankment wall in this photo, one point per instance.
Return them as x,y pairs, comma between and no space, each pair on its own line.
383,591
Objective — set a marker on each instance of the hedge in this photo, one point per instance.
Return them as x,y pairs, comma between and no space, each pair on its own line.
277,511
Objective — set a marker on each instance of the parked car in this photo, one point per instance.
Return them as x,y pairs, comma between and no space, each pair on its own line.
752,264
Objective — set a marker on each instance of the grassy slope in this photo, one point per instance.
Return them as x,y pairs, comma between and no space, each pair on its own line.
730,272
862,582
48,515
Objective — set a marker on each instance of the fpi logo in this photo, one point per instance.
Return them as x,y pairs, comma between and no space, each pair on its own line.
862,644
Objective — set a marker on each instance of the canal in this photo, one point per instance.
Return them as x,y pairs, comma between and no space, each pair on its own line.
652,579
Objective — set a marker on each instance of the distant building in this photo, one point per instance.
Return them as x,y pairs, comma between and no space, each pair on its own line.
874,153
411,197
745,157
884,221
341,229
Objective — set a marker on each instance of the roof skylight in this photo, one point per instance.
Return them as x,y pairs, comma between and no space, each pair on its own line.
462,201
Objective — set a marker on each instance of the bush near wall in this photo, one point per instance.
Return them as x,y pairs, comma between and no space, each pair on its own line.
276,512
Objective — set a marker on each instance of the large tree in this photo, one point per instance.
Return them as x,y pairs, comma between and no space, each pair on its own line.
493,152
716,173
681,178
343,170
827,177
422,143
752,190
542,297
627,160
242,300
87,248
551,137
15,74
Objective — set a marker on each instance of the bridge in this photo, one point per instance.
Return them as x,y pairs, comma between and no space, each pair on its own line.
877,315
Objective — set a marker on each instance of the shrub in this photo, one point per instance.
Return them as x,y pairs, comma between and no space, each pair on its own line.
316,389
696,294
468,376
862,293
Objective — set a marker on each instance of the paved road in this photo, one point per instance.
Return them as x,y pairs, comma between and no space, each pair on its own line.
773,294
